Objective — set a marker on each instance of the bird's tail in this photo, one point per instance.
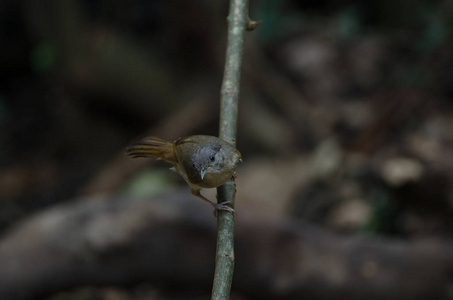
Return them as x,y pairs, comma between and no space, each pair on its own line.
153,147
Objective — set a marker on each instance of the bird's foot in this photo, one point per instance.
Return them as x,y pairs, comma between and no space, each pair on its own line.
223,206
217,206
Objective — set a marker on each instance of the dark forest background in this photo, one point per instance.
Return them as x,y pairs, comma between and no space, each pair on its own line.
346,132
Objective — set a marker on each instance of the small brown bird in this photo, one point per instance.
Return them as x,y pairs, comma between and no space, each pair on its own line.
203,161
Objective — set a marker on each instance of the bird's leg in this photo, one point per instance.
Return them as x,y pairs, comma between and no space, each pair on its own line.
217,206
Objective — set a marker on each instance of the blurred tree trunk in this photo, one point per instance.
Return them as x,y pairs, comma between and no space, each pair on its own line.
124,240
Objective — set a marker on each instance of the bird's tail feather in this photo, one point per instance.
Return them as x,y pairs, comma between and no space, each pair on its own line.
153,147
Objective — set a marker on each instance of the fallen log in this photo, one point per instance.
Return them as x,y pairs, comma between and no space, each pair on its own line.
169,240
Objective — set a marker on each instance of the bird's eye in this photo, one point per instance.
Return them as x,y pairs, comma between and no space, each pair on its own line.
212,158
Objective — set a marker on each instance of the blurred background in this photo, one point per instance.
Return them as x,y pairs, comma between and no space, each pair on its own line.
345,127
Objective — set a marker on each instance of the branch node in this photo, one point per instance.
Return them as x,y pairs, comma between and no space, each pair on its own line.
251,25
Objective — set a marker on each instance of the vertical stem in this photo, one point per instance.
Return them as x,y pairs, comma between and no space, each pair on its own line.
237,24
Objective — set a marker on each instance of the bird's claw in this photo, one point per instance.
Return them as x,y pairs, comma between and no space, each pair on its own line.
223,206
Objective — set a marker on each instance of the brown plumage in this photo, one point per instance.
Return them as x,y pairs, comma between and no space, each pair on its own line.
203,161
153,147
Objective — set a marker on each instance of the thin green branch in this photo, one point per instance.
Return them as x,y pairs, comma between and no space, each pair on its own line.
237,24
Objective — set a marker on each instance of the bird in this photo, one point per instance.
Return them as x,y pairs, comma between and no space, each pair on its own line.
203,161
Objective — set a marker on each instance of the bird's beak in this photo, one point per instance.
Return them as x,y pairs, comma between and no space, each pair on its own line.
202,173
